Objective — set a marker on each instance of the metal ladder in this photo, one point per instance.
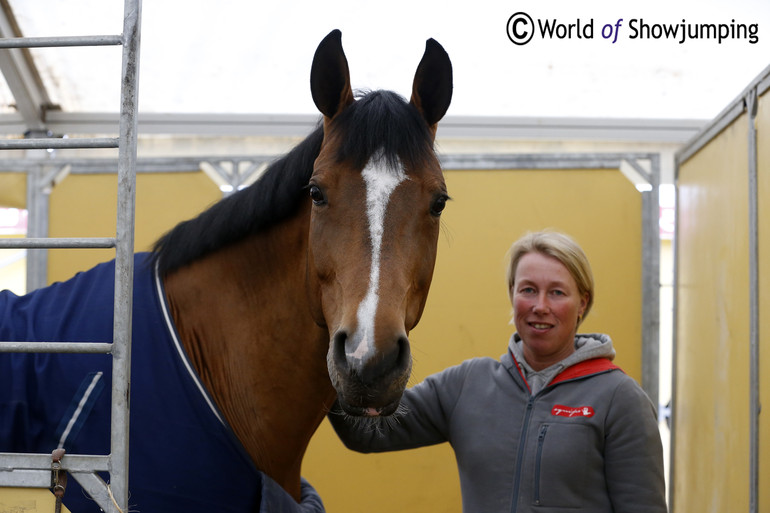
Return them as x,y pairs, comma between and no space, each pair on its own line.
35,470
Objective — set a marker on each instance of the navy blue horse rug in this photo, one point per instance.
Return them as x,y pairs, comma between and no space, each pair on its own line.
182,454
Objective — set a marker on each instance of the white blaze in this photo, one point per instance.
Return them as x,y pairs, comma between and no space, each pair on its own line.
380,184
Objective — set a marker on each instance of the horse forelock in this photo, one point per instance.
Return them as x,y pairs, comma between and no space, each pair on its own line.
383,125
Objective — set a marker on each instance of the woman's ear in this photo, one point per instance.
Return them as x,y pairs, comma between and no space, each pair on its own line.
583,305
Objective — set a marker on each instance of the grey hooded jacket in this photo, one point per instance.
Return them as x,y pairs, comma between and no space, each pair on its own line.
586,440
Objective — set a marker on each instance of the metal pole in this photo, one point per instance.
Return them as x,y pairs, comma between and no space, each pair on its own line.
674,348
651,283
37,206
49,42
124,267
754,406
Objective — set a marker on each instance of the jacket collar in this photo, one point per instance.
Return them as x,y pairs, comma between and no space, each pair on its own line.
593,354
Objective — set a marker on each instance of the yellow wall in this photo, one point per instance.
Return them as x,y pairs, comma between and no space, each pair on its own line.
468,313
24,500
84,206
712,433
13,190
712,445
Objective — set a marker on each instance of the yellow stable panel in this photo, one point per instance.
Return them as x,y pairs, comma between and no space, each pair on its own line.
712,403
28,500
85,206
468,314
763,194
13,190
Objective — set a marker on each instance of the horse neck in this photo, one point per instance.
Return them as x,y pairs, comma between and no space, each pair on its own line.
242,316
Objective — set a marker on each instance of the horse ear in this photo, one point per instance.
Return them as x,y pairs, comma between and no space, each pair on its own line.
432,86
330,76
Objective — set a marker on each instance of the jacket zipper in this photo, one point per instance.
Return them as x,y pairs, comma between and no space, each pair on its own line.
520,455
541,435
538,460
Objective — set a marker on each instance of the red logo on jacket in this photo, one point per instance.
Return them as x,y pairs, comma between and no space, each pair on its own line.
568,411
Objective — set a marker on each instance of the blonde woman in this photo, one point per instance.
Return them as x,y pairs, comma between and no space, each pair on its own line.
553,425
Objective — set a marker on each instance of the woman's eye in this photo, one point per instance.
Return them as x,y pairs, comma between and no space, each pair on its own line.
317,195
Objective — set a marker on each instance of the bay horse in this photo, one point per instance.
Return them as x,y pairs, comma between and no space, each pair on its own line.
259,314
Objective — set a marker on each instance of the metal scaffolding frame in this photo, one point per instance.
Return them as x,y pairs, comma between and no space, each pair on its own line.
35,470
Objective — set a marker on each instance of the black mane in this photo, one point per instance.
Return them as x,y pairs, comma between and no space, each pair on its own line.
380,123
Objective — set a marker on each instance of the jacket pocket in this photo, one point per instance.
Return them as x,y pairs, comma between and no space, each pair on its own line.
562,470
538,461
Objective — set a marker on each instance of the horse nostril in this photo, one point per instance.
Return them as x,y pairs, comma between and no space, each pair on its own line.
338,350
387,364
404,358
397,358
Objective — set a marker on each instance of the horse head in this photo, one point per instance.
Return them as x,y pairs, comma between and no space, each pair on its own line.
377,193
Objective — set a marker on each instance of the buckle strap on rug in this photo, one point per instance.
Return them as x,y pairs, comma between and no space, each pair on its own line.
58,478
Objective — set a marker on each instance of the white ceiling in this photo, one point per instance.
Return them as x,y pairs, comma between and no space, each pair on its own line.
253,57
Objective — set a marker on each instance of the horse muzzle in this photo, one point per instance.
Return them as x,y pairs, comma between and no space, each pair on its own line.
369,378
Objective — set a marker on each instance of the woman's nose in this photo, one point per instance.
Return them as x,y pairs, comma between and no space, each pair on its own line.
541,303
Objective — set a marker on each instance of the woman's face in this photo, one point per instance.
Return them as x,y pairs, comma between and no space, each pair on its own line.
546,307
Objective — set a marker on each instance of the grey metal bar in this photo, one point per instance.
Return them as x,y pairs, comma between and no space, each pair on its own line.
665,131
85,166
71,462
60,242
61,41
124,265
763,85
724,118
34,471
95,486
38,208
651,280
539,161
22,77
58,144
56,347
754,405
81,166
26,478
642,172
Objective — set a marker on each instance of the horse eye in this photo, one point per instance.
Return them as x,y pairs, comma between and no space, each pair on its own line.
317,195
438,205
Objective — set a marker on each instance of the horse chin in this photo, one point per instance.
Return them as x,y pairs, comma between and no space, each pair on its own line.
368,411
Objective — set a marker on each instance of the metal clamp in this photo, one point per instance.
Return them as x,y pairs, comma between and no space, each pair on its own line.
58,478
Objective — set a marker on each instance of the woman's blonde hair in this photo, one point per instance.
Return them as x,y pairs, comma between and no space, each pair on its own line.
564,249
